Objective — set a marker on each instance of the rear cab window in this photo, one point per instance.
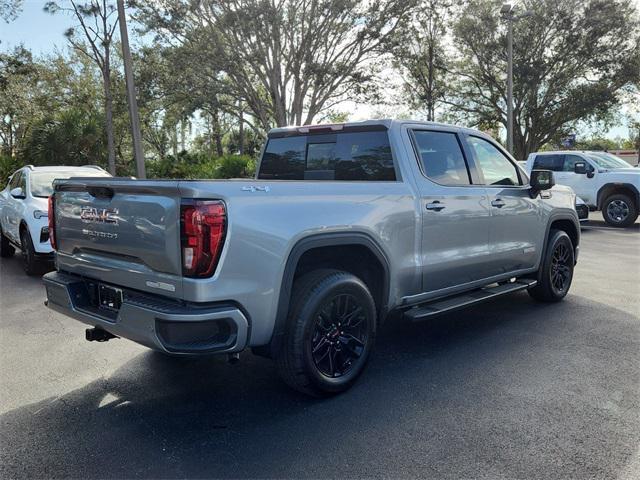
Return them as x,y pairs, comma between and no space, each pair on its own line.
339,156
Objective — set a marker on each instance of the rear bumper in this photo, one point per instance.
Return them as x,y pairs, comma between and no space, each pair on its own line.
158,323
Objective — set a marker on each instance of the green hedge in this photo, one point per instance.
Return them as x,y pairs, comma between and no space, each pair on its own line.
201,166
8,165
184,165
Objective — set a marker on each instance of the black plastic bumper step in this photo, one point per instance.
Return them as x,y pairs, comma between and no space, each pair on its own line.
449,304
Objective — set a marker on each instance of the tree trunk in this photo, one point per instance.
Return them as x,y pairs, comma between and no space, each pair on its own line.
241,132
12,153
219,149
281,115
182,135
430,106
174,140
216,134
108,108
520,148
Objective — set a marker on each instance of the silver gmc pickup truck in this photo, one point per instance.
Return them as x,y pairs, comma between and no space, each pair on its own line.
343,226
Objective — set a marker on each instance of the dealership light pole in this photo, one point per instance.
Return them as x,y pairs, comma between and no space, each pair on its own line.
131,93
508,13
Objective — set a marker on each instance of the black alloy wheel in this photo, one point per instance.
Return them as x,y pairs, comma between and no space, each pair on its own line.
330,332
29,262
340,335
6,249
561,270
556,269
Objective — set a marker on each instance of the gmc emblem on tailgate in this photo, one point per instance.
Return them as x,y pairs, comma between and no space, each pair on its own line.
99,215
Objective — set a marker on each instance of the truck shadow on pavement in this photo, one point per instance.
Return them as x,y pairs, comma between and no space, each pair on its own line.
509,389
602,225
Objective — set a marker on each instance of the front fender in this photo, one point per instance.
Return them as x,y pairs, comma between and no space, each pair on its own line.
563,219
612,186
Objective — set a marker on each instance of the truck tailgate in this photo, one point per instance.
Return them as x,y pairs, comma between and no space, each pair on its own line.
123,231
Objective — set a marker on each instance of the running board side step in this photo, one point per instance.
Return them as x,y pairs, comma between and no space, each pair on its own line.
463,300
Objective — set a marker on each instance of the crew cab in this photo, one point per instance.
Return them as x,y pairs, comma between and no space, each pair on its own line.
603,181
343,227
23,212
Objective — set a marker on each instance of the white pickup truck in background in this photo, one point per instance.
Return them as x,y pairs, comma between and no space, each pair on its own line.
602,180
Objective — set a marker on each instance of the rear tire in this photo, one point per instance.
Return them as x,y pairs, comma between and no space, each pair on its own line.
556,271
619,210
29,262
330,333
6,249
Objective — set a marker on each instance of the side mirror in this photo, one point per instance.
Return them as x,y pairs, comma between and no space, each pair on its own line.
580,168
17,193
583,168
541,180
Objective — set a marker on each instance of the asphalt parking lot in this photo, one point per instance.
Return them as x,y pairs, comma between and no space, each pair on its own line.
509,389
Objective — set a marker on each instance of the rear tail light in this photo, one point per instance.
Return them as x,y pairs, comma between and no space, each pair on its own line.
52,222
203,224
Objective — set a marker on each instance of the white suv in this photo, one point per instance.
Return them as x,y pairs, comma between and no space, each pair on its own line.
23,211
604,181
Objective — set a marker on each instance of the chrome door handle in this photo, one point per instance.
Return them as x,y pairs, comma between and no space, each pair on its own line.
435,206
498,203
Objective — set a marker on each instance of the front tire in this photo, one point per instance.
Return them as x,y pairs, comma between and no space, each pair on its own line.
556,272
6,249
619,210
329,335
29,262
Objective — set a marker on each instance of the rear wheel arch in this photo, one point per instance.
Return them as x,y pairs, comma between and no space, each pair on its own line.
356,253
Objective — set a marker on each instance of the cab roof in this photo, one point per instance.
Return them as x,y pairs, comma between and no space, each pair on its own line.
366,125
62,168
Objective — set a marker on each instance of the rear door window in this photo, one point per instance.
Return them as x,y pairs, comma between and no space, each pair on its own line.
357,156
553,162
441,157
